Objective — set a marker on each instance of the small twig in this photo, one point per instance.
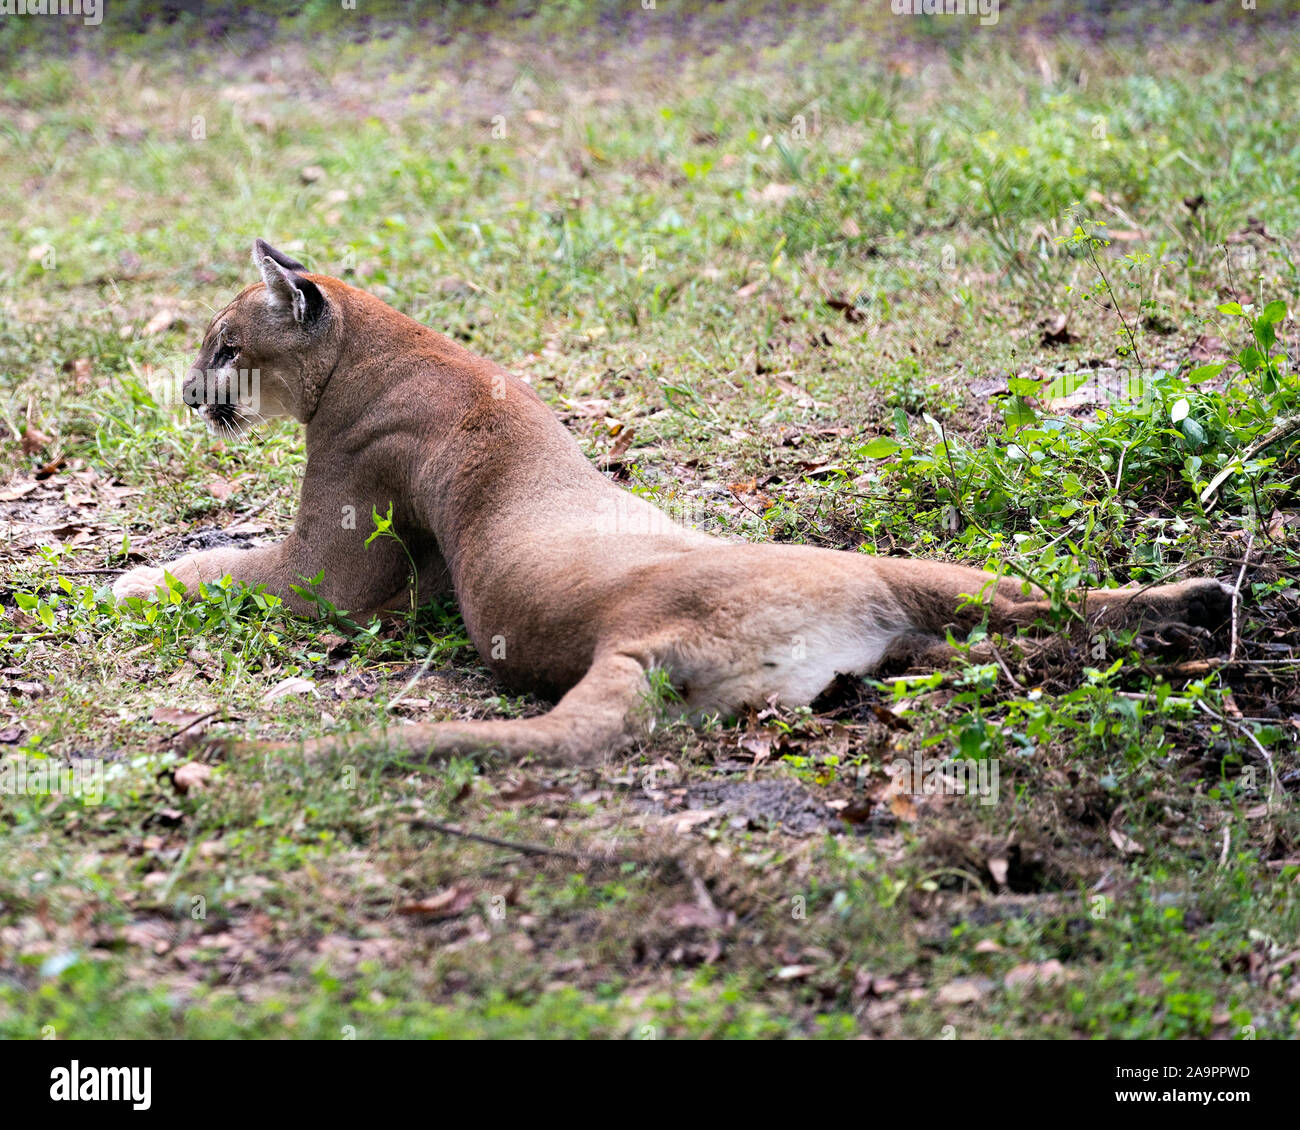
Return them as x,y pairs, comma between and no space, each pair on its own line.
1236,596
1119,471
424,667
1247,732
513,845
1114,301
189,726
1005,669
1235,466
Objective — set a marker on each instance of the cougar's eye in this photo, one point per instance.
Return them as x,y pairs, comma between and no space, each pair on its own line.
224,355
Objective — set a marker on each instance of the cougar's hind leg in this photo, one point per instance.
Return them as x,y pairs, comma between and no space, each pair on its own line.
937,598
934,596
600,716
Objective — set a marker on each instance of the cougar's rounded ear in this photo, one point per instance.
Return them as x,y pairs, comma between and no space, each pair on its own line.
287,289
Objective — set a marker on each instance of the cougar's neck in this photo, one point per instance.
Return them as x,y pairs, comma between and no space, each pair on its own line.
477,448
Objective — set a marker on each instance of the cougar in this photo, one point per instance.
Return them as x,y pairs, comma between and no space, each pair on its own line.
570,586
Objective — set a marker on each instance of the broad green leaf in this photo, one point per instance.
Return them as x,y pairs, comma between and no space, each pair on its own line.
1274,312
1060,387
1250,359
880,448
1017,413
1194,432
1205,372
1230,308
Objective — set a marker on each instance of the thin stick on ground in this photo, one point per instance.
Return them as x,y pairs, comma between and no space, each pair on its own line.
515,845
211,714
1235,466
1236,598
1273,784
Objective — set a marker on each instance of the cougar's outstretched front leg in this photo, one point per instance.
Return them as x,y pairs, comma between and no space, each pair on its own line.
601,716
329,538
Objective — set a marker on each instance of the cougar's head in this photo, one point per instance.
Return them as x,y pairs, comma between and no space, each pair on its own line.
268,352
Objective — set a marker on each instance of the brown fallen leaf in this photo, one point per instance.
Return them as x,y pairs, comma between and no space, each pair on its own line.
221,489
773,193
683,822
295,684
889,718
531,792
903,807
850,310
334,645
857,811
1125,843
901,802
72,535
160,322
1056,330
802,397
1207,348
455,900
167,817
620,445
22,621
34,440
1031,972
81,370
50,468
759,745
964,990
177,716
186,726
193,776
822,470
685,915
998,869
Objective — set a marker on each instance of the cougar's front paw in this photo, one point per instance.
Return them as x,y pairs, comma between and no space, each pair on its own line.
144,582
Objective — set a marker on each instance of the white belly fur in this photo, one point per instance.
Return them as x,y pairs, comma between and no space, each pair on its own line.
796,671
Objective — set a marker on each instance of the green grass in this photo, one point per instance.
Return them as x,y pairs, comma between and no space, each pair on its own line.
820,269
